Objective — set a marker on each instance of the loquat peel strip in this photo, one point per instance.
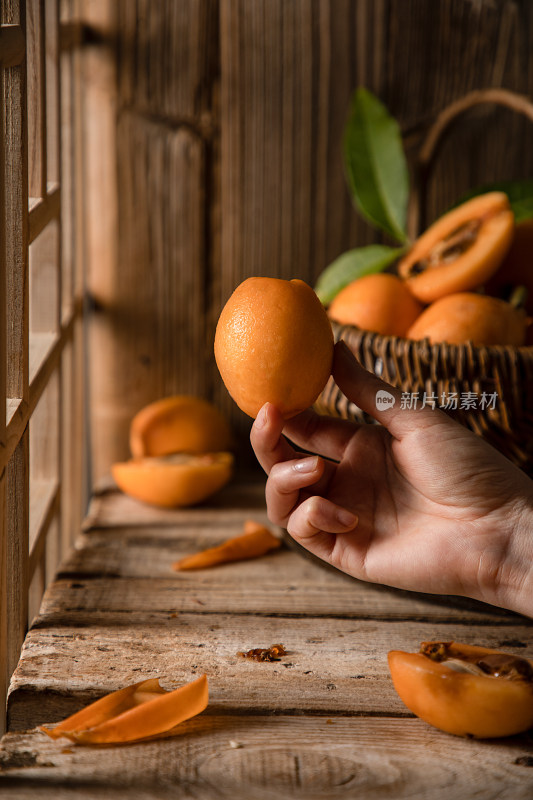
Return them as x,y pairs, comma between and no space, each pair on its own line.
140,711
256,541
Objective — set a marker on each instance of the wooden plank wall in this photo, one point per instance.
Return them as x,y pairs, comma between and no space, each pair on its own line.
226,162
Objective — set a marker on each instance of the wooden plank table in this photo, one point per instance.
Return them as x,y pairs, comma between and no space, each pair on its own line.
323,722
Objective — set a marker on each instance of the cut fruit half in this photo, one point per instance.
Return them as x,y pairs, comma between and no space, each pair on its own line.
461,250
174,481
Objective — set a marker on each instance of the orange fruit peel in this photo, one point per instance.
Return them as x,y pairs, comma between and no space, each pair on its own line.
471,317
179,424
381,303
174,481
141,711
274,343
256,541
465,690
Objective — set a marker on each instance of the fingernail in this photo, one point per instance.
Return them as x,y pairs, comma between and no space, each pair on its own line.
262,417
307,464
346,518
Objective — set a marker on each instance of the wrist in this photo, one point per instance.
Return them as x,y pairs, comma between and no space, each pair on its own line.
514,584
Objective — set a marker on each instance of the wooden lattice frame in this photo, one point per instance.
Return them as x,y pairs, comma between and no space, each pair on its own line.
41,435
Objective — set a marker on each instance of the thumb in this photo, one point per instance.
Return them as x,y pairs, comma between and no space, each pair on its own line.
379,399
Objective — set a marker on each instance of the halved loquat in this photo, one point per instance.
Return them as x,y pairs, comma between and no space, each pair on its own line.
461,250
179,424
173,481
465,690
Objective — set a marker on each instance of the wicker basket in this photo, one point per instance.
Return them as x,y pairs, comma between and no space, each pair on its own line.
491,387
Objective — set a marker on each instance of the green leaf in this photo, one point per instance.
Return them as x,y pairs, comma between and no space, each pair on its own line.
352,265
520,194
375,165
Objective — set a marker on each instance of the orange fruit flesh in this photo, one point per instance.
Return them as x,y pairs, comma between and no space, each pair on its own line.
461,703
173,481
274,343
474,266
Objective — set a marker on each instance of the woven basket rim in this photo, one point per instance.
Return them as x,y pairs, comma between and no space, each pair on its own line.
425,344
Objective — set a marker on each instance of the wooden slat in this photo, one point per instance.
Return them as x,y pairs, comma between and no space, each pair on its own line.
41,348
16,533
43,210
68,139
266,758
12,45
36,81
71,33
16,204
44,357
45,281
45,449
265,596
74,437
332,666
110,508
168,60
44,501
130,540
37,586
14,376
142,561
53,127
13,406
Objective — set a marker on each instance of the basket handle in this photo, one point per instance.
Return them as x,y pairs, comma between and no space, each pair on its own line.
436,133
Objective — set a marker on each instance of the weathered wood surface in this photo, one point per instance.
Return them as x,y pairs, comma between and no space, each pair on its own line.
268,758
279,583
324,721
332,666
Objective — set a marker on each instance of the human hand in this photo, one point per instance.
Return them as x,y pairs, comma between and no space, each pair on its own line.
418,502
